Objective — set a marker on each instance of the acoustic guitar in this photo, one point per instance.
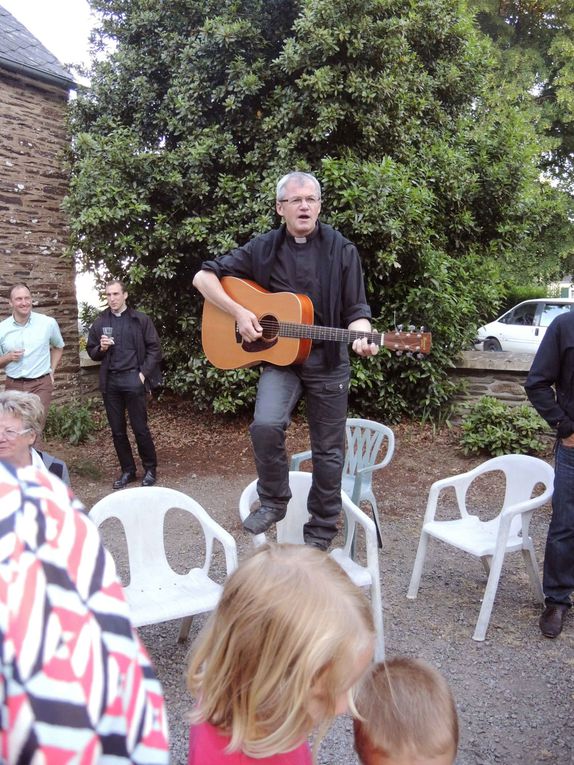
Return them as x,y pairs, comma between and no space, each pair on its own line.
288,330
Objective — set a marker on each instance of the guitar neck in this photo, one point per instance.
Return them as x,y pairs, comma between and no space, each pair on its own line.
315,332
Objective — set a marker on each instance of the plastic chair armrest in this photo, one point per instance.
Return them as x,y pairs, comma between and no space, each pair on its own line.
298,458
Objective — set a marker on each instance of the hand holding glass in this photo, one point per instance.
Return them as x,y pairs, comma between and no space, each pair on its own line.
109,333
18,348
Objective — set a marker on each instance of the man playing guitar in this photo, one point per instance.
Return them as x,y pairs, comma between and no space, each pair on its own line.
308,257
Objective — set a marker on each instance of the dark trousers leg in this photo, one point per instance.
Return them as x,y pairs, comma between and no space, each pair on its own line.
116,413
558,582
327,414
277,394
126,392
137,412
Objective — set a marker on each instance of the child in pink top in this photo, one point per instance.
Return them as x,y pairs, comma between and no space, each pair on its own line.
280,656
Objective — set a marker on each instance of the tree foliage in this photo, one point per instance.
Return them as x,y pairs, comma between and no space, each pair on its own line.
426,164
535,43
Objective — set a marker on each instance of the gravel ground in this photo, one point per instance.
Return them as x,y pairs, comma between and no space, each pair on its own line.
513,691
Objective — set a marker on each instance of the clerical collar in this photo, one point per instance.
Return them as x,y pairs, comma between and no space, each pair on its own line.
120,313
304,239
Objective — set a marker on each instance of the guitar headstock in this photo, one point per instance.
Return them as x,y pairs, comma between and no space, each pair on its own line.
411,341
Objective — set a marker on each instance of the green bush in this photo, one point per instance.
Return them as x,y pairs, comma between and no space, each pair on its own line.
73,422
517,293
494,428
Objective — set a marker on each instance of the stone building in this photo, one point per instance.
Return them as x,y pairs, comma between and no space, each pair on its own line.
34,91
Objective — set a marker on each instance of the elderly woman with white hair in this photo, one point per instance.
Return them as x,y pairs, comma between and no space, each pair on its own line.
21,421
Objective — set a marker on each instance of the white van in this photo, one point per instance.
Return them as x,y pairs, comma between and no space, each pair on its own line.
522,328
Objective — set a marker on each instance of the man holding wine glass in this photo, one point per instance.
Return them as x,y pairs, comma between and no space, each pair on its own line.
31,347
128,346
308,257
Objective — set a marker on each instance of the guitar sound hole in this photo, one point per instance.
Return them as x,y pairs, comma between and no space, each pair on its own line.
270,327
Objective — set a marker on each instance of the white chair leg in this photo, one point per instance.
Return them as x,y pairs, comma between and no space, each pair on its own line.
376,518
486,560
377,609
418,566
184,629
488,598
531,564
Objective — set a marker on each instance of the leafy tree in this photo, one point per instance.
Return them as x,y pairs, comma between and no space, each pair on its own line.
392,103
535,40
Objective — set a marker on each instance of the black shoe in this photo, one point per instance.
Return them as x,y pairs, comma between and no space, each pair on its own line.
124,479
320,544
263,518
552,620
149,478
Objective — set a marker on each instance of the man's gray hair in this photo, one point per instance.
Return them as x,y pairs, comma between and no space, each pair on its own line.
25,406
299,178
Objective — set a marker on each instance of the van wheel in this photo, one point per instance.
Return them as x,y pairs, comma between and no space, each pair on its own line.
492,344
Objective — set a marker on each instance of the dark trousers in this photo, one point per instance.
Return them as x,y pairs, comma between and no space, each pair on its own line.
326,395
558,582
125,391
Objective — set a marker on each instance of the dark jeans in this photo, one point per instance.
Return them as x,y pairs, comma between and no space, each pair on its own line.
326,394
125,390
558,583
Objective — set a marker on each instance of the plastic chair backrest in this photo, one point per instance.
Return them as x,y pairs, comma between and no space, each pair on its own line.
141,512
522,474
364,441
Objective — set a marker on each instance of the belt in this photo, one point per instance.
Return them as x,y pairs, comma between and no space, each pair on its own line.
122,371
26,379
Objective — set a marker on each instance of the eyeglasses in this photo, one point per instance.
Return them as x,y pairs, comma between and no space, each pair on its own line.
10,434
297,201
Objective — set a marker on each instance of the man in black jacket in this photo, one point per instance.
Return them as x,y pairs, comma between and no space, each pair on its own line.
127,344
550,388
307,257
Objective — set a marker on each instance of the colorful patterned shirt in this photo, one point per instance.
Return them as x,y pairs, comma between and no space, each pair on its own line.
76,685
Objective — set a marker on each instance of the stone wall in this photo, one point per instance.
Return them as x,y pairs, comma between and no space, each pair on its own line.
501,375
33,231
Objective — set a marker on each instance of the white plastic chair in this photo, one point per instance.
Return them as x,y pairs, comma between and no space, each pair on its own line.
365,439
156,593
290,530
490,540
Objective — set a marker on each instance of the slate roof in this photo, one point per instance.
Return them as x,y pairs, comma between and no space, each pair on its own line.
20,51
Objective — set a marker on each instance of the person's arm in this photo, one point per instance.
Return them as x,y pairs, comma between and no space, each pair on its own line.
10,356
544,374
152,346
97,345
55,358
210,287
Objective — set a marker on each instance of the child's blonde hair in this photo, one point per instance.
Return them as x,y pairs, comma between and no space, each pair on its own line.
288,628
406,709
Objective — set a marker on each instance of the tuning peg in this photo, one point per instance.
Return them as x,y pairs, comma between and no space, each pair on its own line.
399,327
409,354
420,356
399,353
412,327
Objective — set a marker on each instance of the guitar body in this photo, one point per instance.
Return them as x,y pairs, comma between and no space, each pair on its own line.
224,346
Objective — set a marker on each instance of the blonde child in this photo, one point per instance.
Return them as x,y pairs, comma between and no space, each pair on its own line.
279,657
407,716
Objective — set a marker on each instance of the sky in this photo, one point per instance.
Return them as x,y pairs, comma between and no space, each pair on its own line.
63,27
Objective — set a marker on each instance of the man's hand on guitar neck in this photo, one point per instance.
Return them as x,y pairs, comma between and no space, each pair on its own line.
361,346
